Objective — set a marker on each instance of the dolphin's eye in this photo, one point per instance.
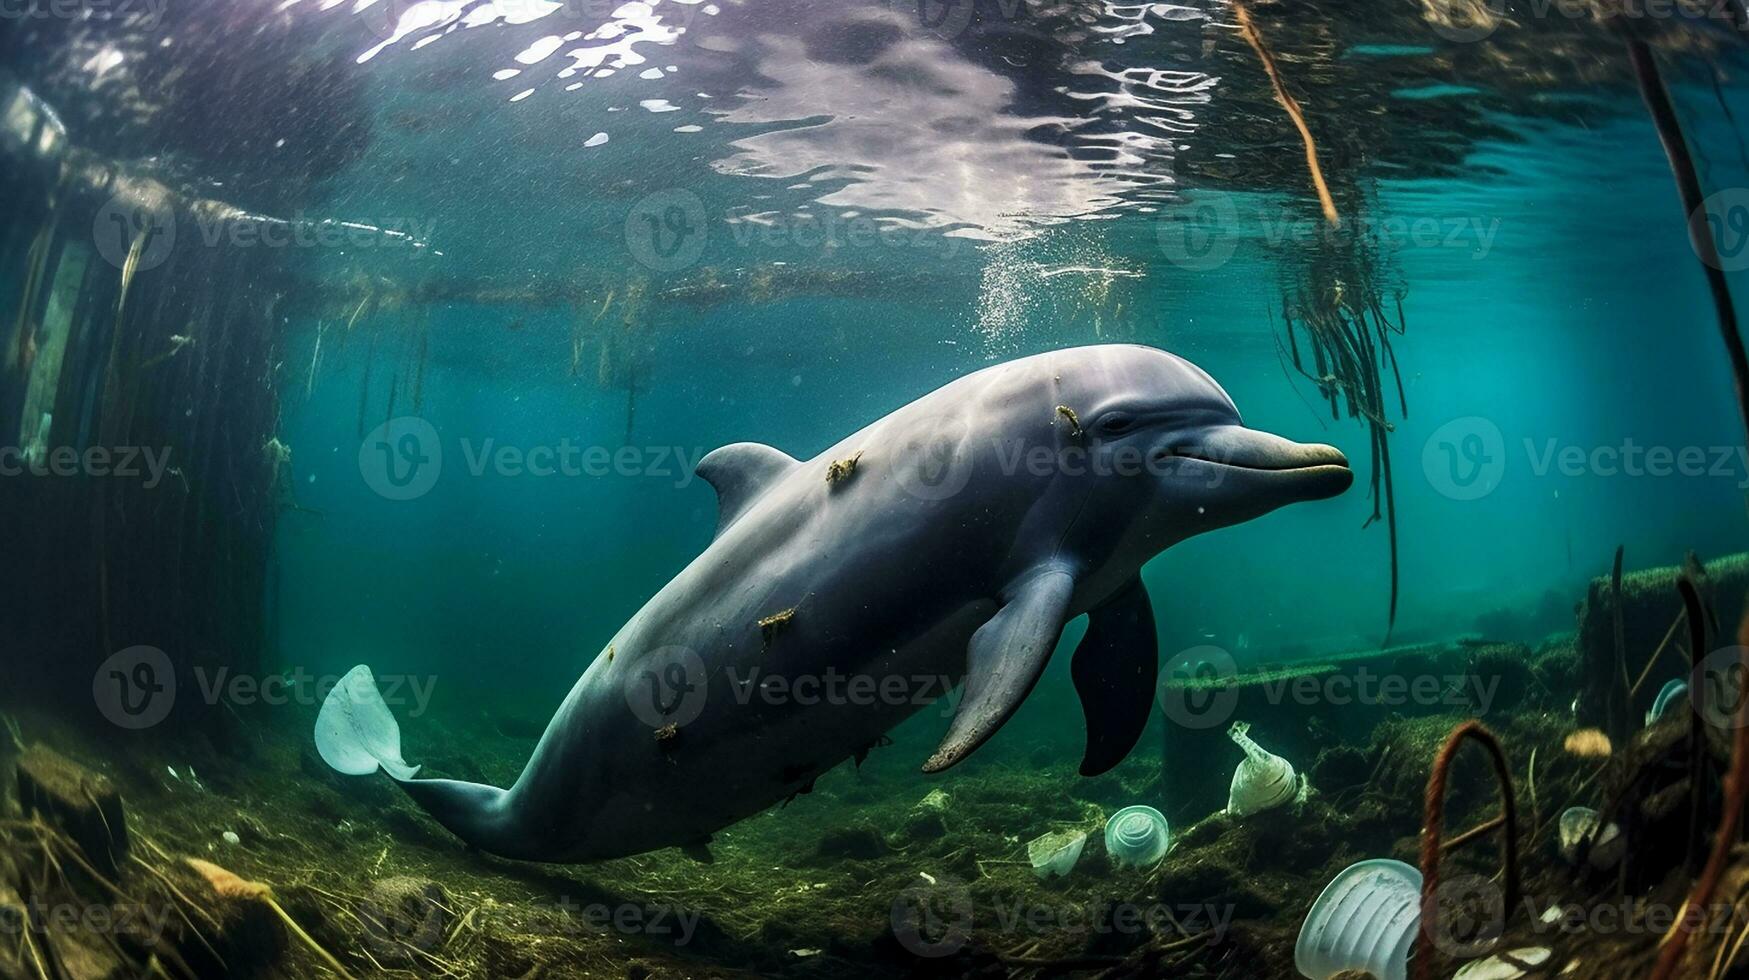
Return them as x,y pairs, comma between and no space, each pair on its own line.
1117,423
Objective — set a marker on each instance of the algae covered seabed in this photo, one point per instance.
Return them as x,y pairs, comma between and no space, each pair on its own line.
878,872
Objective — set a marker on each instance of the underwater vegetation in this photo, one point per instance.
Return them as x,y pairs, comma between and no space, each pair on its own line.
255,860
1339,317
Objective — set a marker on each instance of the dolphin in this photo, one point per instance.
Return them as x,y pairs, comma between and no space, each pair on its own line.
950,540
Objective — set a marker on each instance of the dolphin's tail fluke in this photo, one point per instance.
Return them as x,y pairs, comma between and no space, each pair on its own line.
357,735
355,732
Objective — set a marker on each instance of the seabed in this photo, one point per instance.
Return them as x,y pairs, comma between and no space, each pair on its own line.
161,855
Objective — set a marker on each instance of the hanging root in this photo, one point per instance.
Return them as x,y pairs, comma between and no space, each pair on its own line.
1688,186
1432,829
1254,38
1348,339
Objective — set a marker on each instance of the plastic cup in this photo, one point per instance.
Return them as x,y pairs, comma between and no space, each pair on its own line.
1137,837
1055,853
1365,920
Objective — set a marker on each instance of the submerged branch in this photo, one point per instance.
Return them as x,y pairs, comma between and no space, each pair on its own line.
1254,38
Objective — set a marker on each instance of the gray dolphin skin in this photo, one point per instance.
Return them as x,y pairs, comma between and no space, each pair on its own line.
950,540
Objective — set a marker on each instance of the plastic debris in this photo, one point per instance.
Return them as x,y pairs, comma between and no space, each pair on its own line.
1055,853
935,800
1505,966
1263,780
1366,920
1137,837
1672,689
1579,823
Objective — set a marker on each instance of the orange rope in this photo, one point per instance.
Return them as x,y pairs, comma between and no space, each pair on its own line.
1736,788
1432,829
1282,96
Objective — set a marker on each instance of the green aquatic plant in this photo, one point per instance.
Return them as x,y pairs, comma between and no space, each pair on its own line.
1336,321
1338,307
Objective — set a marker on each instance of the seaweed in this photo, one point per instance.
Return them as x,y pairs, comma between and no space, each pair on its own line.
1338,305
1341,318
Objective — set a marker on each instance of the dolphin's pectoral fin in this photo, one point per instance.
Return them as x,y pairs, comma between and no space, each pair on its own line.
740,472
1006,657
1114,670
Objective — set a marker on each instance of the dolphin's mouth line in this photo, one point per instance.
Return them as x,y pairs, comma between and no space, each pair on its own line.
1162,455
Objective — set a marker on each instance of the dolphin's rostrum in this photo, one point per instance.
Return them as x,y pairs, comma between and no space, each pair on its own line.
981,518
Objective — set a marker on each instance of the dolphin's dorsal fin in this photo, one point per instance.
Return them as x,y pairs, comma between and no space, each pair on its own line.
740,472
1004,661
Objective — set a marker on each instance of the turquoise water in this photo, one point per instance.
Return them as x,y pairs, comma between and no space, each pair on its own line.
1553,294
782,221
590,243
